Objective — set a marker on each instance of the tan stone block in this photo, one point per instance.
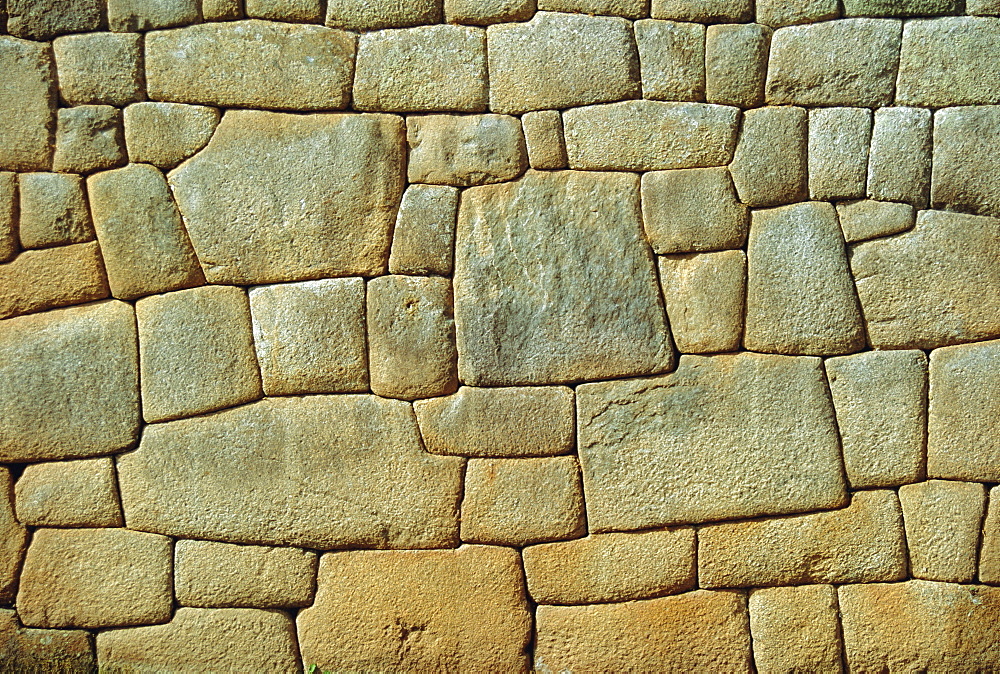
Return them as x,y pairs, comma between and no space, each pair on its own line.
296,11
703,11
989,552
736,64
630,9
838,152
510,422
423,69
695,631
983,7
216,575
522,501
769,164
538,300
165,134
800,295
899,163
778,13
43,21
671,59
965,159
692,210
69,494
486,12
130,16
71,383
310,336
920,625
13,540
543,136
722,437
53,210
354,474
423,240
943,520
8,216
28,98
100,68
560,61
330,214
650,135
900,7
465,150
52,277
207,640
704,295
222,64
32,650
920,290
870,219
795,629
89,138
881,402
612,567
365,15
221,10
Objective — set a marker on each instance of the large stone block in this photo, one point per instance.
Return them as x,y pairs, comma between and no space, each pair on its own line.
943,522
13,539
69,494
465,150
795,629
28,100
967,159
52,277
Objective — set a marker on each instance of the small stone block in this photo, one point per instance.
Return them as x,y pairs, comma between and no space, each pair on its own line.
704,295
899,162
989,553
8,216
943,520
295,11
52,277
966,159
465,150
369,15
487,12
777,13
43,21
736,64
423,239
131,16
53,210
769,165
543,135
28,99
13,542
89,138
69,494
671,59
165,134
795,629
703,11
630,9
838,152
870,219
221,10
100,68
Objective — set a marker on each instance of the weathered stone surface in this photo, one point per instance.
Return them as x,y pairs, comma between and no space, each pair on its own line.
221,10
53,210
899,163
736,64
695,631
13,539
671,59
560,61
130,16
353,474
522,501
920,626
800,296
145,247
795,629
8,215
703,11
880,398
69,494
942,528
919,289
846,62
53,277
692,210
89,138
310,336
365,15
423,69
100,68
777,13
165,134
704,295
871,219
27,103
43,21
208,640
966,160
95,578
838,152
237,65
543,136
419,610
989,552
486,12
28,650
982,7
341,177
554,282
71,383
465,150
861,543
630,9
215,575
423,239
650,135
769,165
295,11
900,7
722,437
611,567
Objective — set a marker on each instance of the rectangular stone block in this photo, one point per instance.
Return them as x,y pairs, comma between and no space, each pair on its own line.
294,11
53,210
899,162
8,215
838,152
100,68
989,551
943,521
221,10
902,7
52,277
770,164
69,494
366,15
777,13
736,64
28,98
423,240
870,219
795,629
671,59
465,150
131,16
543,136
487,12
40,21
630,9
33,650
966,157
89,138
704,295
703,11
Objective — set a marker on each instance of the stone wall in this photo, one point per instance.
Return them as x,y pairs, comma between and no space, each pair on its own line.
475,335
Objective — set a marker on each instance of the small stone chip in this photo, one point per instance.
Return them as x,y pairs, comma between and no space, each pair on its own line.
423,239
870,219
543,135
13,541
165,134
53,210
465,150
28,98
672,59
69,494
89,138
943,520
704,295
736,64
795,629
899,163
838,152
131,16
769,164
52,277
100,68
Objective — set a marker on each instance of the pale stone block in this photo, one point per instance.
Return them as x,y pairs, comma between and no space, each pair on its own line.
778,13
795,629
52,277
543,136
296,11
43,21
966,160
130,16
486,12
769,165
165,134
53,210
423,239
28,98
899,162
703,11
630,9
89,138
692,210
33,650
943,519
8,216
838,152
100,68
989,553
221,10
736,64
870,219
671,59
464,150
704,295
69,494
901,7
13,539
366,15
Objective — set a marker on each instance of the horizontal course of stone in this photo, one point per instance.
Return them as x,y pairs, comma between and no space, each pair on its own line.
500,335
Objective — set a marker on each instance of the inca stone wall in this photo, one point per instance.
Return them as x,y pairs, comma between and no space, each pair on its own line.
481,336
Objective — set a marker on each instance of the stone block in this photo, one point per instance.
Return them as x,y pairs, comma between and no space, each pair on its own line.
465,150
366,15
838,152
704,295
989,551
295,11
983,7
486,12
53,277
870,219
28,98
221,10
13,540
778,13
630,9
671,59
736,64
703,11
423,240
42,21
69,494
966,157
53,210
769,164
795,629
165,134
543,136
943,522
89,138
8,216
899,162
100,68
901,7
130,16
34,650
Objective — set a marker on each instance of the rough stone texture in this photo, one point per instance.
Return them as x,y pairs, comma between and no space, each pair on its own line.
881,401
418,610
871,219
8,215
365,15
342,177
310,336
69,494
920,626
423,69
965,160
423,240
543,136
845,62
217,575
777,13
237,65
53,210
100,68
630,9
982,7
522,501
703,11
53,277
920,290
989,552
465,150
902,7
899,163
942,528
695,631
221,10
95,578
129,16
838,152
145,247
671,59
795,629
800,296
650,135
561,61
704,295
722,437
554,282
208,640
71,383
13,539
486,12
736,64
499,422
28,650
27,103
769,165
165,134
692,210
89,138
861,543
354,474
43,21
296,11
611,567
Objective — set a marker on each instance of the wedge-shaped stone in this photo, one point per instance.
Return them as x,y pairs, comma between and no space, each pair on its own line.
967,159
423,240
100,68
736,64
420,610
237,65
353,473
943,520
280,197
871,219
365,15
723,437
35,650
838,152
899,162
53,210
795,629
42,21
28,100
69,494
165,134
920,290
671,59
465,150
52,277
989,552
13,539
769,165
554,282
704,295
